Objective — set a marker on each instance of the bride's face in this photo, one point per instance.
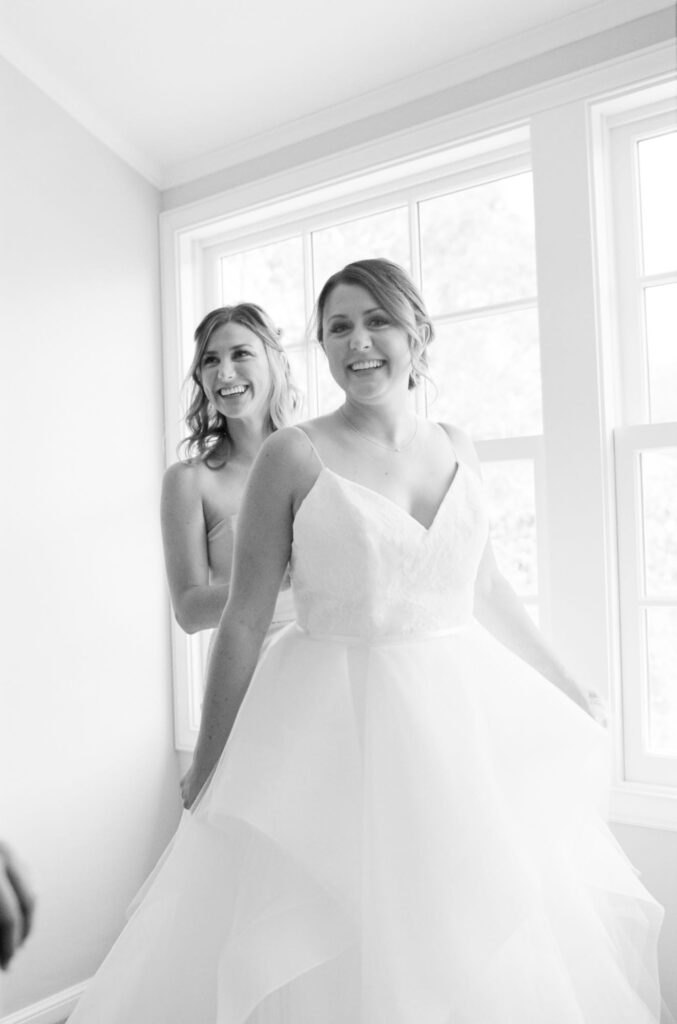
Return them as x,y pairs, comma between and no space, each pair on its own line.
368,353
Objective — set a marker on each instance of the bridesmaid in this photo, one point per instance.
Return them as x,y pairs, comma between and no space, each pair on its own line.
241,392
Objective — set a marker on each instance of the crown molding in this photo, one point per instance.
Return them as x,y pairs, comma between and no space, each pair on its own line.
594,21
78,107
555,35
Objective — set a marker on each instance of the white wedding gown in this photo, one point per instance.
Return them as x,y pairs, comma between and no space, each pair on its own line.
404,827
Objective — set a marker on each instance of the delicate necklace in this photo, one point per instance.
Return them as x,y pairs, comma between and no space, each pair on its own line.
380,444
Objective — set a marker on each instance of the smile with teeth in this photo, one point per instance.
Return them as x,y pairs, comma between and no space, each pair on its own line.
234,389
367,364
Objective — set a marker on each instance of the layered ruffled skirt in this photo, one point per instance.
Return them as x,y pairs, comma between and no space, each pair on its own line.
401,832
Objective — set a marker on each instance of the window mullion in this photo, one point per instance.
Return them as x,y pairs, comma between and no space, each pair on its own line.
475,312
309,300
630,299
574,444
421,396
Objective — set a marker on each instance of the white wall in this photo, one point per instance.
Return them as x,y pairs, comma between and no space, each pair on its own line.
88,775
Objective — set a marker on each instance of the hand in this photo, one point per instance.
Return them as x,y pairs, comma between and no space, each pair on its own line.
590,701
192,785
597,708
17,905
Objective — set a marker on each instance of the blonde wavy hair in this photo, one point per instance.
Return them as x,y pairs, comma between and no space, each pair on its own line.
208,438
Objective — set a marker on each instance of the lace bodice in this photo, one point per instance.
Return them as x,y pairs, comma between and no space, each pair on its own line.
363,567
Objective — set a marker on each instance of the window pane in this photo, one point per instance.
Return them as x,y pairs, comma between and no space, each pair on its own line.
661,634
658,198
661,340
381,234
272,277
477,246
512,509
329,394
298,360
488,376
658,474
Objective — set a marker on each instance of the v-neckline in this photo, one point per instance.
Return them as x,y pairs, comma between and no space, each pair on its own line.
394,504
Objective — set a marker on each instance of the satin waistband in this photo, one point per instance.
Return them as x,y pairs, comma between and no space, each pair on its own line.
385,640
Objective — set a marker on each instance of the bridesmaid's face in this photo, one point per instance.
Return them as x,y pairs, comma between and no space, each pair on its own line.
368,353
235,372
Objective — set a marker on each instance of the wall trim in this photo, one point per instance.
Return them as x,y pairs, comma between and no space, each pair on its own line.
53,1010
566,44
558,39
78,106
294,173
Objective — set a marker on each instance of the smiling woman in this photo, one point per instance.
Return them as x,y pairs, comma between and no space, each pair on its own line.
241,392
395,809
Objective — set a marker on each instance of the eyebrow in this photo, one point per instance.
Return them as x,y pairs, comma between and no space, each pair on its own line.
233,348
374,309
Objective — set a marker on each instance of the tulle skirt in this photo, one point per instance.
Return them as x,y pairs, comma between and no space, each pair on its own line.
402,832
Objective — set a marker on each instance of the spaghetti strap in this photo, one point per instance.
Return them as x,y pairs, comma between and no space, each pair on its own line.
446,434
460,461
310,442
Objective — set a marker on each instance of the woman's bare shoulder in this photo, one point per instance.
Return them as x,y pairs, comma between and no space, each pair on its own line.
290,449
184,480
289,463
183,473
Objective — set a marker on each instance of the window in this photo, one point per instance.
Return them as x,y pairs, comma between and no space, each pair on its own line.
469,242
642,163
467,237
478,276
541,230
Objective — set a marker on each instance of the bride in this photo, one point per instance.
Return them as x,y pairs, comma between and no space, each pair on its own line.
395,815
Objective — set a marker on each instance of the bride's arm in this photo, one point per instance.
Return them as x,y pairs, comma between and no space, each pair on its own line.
502,613
499,610
262,551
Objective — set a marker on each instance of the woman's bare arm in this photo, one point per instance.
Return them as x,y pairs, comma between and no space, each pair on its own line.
262,552
502,613
499,609
197,603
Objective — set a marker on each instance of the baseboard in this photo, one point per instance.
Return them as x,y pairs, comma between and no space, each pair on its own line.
53,1010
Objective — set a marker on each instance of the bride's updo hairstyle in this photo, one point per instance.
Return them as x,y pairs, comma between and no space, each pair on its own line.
397,295
208,438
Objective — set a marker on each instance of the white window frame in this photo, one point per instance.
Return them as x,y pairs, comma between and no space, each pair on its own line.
411,189
577,537
645,783
499,156
640,766
462,171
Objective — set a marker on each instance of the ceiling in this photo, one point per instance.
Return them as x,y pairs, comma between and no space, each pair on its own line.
177,88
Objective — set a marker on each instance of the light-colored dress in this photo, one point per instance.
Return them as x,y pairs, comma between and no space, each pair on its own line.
220,545
405,826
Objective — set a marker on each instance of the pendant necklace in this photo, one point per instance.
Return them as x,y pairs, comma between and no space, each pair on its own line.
380,444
